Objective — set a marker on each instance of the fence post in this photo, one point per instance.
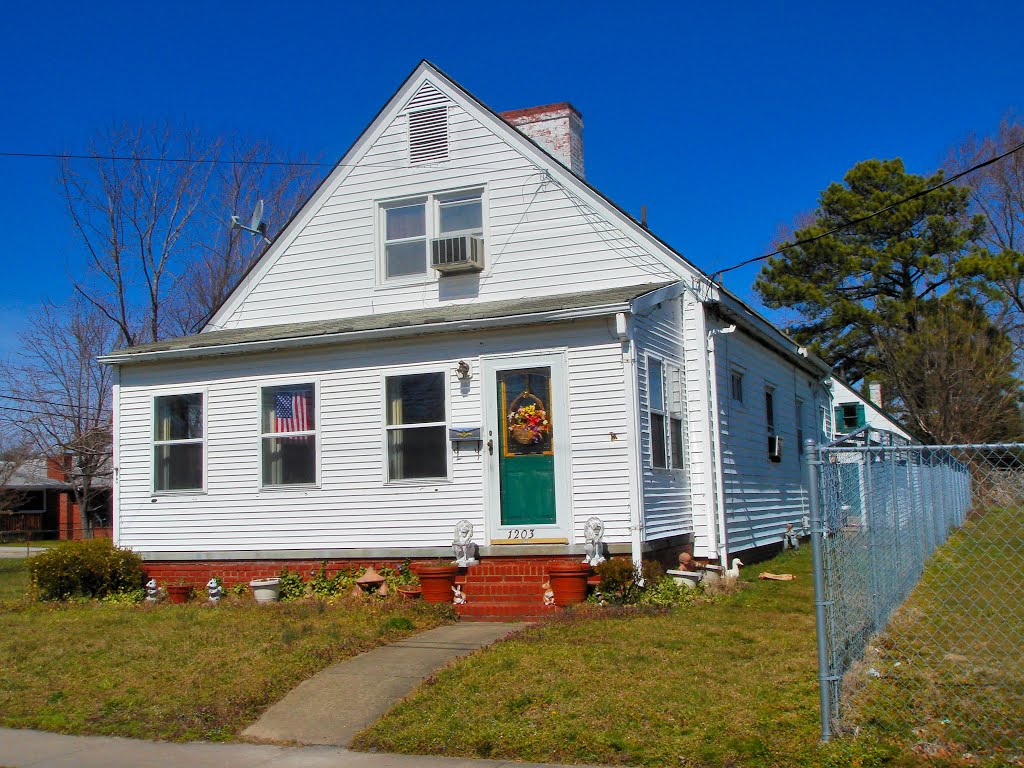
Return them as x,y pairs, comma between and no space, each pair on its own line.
812,460
870,519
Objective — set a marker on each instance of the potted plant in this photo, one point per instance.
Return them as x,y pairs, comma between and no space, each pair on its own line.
436,577
180,592
266,590
568,581
407,583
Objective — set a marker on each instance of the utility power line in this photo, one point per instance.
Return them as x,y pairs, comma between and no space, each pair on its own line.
879,212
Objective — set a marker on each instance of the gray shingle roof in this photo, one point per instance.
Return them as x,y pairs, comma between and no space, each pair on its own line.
418,317
31,475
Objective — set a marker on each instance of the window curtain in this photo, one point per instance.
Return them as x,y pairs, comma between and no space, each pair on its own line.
396,437
273,461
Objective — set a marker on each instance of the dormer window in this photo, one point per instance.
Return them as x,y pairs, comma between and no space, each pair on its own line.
410,226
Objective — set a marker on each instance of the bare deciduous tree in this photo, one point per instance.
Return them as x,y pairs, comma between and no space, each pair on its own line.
62,393
997,194
152,210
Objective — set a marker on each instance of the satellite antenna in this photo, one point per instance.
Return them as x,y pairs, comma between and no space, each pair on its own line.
257,226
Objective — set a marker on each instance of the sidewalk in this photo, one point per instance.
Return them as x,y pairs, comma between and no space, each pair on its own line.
34,749
334,705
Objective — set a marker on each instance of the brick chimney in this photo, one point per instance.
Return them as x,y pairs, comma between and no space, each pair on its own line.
558,128
58,467
875,392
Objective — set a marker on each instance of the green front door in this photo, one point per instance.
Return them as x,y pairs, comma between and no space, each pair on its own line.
526,457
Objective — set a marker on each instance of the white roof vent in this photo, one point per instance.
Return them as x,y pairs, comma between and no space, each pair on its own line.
428,135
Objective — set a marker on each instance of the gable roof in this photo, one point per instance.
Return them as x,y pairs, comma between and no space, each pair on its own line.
392,324
423,73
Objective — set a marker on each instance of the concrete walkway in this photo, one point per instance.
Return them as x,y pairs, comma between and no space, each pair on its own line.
33,749
333,706
20,551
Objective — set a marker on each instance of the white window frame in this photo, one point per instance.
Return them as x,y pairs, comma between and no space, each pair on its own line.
676,406
735,375
445,373
800,435
261,436
432,202
663,412
153,442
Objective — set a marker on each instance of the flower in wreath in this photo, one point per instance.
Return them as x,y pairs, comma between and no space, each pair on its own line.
530,422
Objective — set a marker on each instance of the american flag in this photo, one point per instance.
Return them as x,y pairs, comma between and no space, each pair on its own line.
291,411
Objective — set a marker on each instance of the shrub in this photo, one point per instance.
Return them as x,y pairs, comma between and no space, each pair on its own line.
618,582
291,585
91,568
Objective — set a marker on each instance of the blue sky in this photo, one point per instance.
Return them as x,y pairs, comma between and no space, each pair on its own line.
724,119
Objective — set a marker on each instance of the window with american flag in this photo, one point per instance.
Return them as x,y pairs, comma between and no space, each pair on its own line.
289,435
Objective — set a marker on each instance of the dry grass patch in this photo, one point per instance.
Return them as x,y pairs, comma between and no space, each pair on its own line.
727,683
174,672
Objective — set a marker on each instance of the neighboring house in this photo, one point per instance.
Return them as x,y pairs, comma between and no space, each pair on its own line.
852,411
44,505
454,268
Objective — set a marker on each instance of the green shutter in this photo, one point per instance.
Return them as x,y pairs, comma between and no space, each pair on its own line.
837,420
861,417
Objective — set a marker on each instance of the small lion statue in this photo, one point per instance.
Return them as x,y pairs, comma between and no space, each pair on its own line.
593,532
465,549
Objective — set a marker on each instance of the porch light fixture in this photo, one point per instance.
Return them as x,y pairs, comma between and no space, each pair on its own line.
462,371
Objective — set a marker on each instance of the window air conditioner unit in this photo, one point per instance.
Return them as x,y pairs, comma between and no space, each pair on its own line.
464,253
775,448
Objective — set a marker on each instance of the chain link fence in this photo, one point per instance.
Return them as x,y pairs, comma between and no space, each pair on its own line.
919,585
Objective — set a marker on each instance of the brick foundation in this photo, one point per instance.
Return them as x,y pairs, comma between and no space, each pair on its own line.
497,588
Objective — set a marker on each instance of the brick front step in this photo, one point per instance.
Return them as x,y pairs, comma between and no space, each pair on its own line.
490,611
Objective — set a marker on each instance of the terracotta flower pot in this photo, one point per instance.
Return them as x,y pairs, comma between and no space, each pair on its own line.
436,581
179,594
410,591
568,581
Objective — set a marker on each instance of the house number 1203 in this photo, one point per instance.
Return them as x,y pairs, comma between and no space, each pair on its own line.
521,533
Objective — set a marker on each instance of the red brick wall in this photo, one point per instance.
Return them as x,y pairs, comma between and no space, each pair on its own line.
495,570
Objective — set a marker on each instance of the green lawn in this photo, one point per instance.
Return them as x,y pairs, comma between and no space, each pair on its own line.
13,579
172,672
730,683
950,667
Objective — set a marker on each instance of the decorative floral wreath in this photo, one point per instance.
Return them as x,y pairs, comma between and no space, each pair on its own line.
529,424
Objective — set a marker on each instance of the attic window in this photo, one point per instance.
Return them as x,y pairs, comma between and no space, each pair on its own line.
428,135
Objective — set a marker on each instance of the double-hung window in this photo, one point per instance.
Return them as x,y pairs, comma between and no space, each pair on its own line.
288,434
656,412
736,386
675,416
799,427
410,225
178,442
416,426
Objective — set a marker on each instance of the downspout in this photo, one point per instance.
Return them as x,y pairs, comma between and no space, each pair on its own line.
716,432
115,469
624,332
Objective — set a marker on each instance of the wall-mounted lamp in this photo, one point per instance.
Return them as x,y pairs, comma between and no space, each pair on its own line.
462,371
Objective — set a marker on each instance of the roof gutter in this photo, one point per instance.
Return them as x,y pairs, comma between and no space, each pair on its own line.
767,334
348,337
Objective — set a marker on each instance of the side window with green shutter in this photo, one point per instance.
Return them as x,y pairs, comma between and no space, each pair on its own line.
850,417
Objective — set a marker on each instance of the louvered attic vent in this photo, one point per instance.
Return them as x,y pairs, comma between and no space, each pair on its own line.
428,135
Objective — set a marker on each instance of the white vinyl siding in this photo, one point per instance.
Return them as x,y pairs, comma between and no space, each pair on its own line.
667,498
538,233
354,505
761,496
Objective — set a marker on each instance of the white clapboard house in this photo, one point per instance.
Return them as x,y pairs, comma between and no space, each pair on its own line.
351,399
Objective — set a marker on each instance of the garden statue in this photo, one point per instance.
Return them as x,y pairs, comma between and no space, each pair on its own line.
459,596
549,593
215,590
465,549
152,591
687,563
593,532
790,539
